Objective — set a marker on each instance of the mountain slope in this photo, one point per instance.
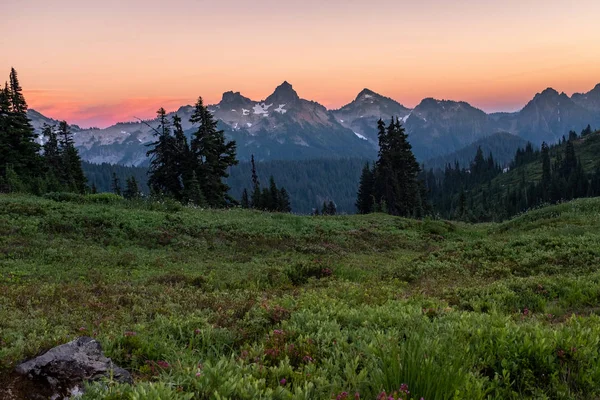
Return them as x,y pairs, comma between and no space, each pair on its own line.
442,126
285,126
362,114
502,145
550,115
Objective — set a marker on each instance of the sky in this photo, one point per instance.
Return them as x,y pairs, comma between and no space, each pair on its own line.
94,63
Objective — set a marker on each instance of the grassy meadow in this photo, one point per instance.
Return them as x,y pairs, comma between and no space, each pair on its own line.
238,304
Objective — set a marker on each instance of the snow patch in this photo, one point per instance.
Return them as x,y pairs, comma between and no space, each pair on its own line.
301,142
405,118
233,110
367,96
261,108
249,124
360,136
280,109
245,112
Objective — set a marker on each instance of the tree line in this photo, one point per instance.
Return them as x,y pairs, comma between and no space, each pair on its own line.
25,166
478,193
268,198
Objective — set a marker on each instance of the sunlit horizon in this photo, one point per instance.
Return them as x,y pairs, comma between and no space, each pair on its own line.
99,63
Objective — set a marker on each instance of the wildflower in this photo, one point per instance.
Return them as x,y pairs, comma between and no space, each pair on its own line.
199,373
162,364
404,388
278,332
130,333
282,382
526,311
356,396
197,331
82,329
307,359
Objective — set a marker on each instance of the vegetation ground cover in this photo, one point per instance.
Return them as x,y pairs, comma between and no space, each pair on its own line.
243,304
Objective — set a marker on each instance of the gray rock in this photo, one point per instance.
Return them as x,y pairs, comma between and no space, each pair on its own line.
66,366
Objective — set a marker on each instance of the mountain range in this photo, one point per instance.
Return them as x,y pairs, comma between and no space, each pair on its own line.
286,127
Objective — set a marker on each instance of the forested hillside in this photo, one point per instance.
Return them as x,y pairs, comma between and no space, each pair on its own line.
502,145
308,182
484,192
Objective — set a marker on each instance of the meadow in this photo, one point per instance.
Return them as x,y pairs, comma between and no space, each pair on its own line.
239,304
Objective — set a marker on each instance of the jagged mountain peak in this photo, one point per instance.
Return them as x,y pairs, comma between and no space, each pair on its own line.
284,94
431,103
367,94
547,92
233,97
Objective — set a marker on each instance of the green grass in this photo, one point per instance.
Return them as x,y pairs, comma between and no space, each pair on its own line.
243,305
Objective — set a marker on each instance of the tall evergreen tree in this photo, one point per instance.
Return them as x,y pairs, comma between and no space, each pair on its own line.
132,190
163,173
365,195
284,201
116,185
245,202
72,176
397,186
18,149
194,193
274,195
546,172
212,155
51,148
255,200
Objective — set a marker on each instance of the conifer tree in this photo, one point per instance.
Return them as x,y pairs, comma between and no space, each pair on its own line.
397,187
73,176
18,148
255,200
94,189
52,156
116,184
546,171
245,202
163,173
284,201
274,195
331,208
365,195
212,156
193,191
325,209
132,190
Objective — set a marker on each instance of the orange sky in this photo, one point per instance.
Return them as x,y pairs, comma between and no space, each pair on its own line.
98,62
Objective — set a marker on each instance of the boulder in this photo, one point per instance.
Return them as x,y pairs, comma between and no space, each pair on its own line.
65,367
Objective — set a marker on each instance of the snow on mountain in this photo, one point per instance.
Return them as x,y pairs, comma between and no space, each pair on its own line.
285,126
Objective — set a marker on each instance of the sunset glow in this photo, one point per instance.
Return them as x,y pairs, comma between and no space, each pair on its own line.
96,63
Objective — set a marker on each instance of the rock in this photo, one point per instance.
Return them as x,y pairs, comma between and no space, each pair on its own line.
65,367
